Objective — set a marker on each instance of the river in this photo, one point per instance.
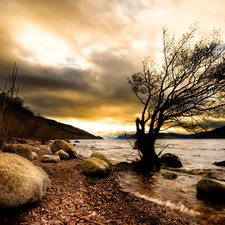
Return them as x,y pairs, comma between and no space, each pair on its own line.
197,157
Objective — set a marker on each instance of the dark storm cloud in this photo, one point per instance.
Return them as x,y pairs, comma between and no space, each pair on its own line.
74,56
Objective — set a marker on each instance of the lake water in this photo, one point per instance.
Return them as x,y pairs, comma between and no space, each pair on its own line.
197,157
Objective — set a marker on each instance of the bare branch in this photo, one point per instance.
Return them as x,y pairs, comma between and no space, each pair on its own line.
188,88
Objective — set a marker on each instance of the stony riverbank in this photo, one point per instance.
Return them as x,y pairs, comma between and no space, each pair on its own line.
76,199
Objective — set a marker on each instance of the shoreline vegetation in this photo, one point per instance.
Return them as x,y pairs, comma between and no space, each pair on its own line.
77,199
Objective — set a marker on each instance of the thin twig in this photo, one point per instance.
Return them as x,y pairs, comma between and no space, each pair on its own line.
163,149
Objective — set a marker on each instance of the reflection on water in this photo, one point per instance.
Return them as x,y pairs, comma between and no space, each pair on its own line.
197,157
179,194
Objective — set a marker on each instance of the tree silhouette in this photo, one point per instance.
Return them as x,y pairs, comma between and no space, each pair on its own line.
8,95
187,90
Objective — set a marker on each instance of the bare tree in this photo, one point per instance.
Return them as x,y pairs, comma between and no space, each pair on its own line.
187,90
6,97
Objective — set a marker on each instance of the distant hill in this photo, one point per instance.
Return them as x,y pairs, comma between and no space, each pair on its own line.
65,131
218,133
20,122
127,136
161,136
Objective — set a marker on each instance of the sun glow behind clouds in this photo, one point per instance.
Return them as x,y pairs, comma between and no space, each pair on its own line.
110,128
104,128
46,48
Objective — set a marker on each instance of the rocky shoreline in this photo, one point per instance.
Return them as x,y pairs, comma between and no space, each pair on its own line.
77,199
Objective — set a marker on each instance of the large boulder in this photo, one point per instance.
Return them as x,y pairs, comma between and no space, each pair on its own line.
65,146
50,158
63,155
94,167
211,189
21,181
170,160
221,163
169,175
102,157
19,149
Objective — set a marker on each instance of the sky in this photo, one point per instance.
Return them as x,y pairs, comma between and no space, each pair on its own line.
74,56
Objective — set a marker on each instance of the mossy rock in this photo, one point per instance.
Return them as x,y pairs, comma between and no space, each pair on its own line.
211,189
102,157
170,160
63,155
21,181
169,175
19,149
94,167
65,146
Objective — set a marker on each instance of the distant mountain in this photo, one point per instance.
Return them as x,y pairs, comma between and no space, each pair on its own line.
175,136
127,136
161,136
218,133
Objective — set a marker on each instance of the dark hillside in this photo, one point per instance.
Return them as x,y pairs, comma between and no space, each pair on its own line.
20,122
218,133
62,130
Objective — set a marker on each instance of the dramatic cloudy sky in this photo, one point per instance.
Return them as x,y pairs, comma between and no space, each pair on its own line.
74,55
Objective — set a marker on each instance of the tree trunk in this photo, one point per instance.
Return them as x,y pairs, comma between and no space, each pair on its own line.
145,144
150,160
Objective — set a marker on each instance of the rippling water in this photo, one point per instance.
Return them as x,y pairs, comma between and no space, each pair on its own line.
197,157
